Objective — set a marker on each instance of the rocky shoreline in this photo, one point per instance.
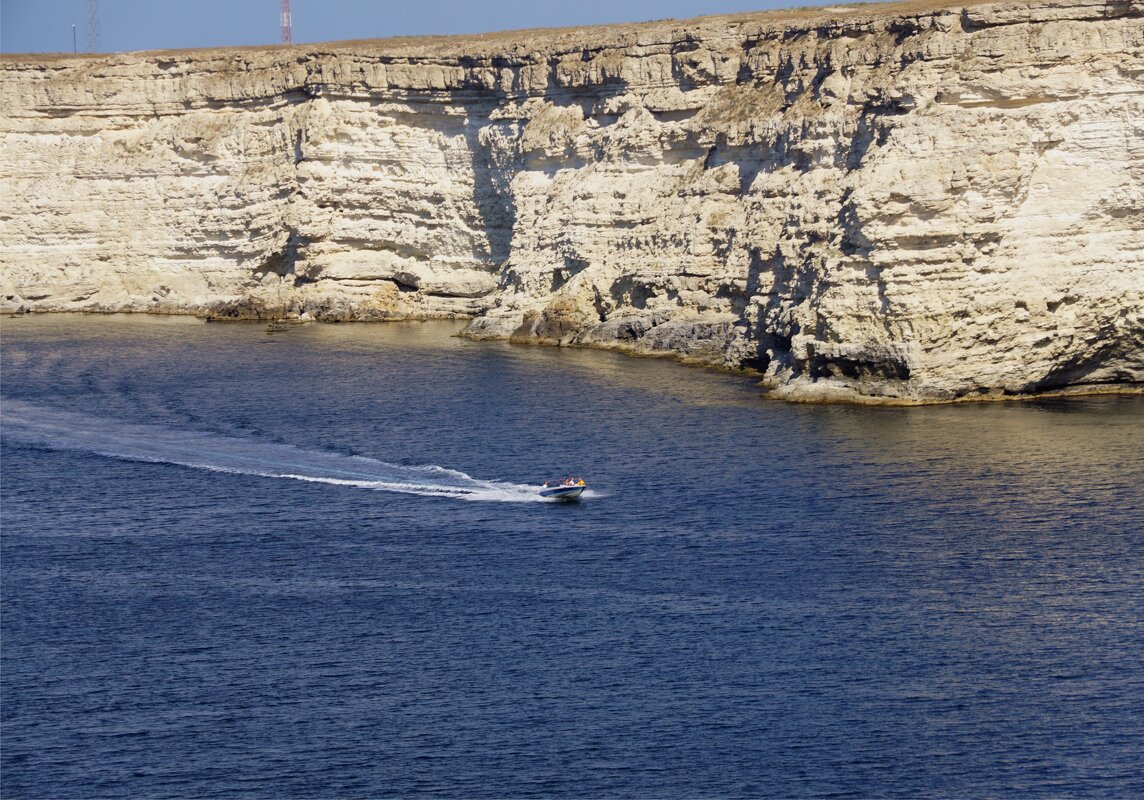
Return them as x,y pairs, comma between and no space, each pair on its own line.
901,204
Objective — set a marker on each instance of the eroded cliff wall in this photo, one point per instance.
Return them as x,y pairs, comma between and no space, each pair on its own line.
910,202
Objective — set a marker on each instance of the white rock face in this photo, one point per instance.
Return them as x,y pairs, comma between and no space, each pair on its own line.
873,202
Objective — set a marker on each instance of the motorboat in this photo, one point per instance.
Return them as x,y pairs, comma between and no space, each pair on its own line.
566,490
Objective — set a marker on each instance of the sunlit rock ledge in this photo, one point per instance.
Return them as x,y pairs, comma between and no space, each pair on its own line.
892,203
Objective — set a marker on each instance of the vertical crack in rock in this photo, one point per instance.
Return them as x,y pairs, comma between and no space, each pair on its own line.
492,167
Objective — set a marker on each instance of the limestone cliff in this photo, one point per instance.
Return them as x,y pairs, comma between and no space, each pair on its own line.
911,202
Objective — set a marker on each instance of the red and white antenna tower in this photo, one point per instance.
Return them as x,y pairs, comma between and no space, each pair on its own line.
287,35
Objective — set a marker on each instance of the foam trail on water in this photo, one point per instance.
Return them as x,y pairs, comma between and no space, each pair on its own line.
68,430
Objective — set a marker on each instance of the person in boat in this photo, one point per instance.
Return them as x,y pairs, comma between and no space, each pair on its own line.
580,482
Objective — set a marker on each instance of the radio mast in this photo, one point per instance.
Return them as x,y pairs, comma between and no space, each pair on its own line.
287,34
93,26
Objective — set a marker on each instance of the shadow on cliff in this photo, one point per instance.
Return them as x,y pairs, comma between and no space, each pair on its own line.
492,180
775,286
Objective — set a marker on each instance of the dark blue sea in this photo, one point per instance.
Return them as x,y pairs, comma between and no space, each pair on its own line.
312,564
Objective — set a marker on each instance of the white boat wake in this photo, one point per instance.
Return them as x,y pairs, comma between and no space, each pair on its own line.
66,430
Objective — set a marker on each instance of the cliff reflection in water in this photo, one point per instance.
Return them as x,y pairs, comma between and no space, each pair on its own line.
1048,464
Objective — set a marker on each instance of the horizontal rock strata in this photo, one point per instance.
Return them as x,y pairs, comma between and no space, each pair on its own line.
900,203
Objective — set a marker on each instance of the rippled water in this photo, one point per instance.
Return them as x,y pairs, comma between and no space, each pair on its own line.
241,564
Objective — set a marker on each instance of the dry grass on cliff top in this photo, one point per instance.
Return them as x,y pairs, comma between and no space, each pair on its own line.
531,39
597,35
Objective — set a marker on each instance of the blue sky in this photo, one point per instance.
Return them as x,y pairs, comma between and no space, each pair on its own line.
39,26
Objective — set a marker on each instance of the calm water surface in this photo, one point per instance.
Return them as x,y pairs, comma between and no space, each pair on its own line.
310,565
